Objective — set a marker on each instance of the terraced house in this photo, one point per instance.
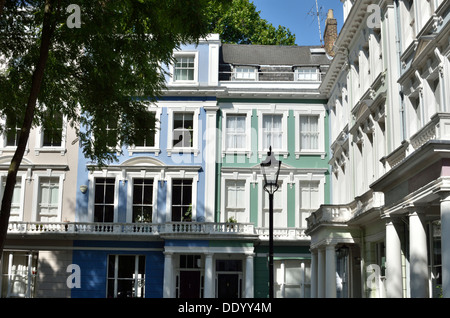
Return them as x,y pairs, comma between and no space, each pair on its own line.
182,213
385,232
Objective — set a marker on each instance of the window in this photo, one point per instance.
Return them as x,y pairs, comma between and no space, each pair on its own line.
309,133
142,200
235,200
292,278
18,274
272,132
146,138
12,130
17,199
182,200
48,199
111,135
242,73
279,212
235,132
104,199
52,130
126,276
184,69
307,74
309,200
183,124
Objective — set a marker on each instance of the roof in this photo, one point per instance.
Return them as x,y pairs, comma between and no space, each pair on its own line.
243,54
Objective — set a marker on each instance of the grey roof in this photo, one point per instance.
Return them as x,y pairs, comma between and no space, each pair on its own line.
243,54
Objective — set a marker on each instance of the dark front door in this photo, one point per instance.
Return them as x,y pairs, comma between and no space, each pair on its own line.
189,284
228,285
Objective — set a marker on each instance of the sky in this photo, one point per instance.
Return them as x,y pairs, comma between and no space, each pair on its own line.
300,17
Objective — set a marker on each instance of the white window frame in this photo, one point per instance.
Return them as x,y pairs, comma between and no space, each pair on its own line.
309,177
247,178
248,128
91,202
182,174
284,127
240,71
284,179
313,71
3,146
131,176
21,177
48,174
195,144
40,140
177,54
310,111
153,149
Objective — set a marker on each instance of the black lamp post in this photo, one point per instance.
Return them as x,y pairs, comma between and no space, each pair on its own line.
270,169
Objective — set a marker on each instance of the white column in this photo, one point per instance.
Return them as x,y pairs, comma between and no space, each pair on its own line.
168,274
330,275
445,242
321,273
209,279
314,273
394,287
248,276
418,255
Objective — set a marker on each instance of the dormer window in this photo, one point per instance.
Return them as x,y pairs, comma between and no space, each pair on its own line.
307,74
185,68
245,73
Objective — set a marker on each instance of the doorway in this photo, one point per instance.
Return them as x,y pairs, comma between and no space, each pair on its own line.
190,284
228,278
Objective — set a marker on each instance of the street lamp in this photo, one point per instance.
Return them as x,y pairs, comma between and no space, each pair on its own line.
270,169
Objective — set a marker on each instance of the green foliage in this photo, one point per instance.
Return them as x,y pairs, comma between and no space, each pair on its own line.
107,71
237,21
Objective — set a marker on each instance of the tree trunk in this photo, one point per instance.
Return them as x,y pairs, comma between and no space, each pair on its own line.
48,28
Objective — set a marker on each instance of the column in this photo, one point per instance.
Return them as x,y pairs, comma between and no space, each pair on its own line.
321,273
209,157
330,275
209,280
314,273
394,287
168,274
445,242
248,276
418,255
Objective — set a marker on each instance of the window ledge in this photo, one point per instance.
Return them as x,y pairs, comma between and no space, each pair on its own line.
155,150
194,151
276,152
310,153
246,152
62,150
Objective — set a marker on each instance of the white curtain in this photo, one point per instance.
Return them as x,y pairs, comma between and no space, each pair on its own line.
235,200
235,132
273,132
309,132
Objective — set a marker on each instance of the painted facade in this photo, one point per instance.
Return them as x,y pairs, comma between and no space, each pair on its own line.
183,213
385,232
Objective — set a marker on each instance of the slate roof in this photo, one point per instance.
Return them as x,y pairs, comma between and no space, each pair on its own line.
242,54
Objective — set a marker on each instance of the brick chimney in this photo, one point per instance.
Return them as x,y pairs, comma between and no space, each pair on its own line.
330,34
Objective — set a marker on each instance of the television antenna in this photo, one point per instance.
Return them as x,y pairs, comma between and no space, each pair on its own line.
317,12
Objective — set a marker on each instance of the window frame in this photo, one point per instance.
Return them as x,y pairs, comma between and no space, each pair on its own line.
156,147
310,111
91,200
177,54
21,177
309,177
37,176
248,130
155,176
182,174
315,75
195,143
40,133
115,278
240,70
246,206
284,128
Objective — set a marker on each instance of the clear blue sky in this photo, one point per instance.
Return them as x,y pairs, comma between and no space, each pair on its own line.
299,16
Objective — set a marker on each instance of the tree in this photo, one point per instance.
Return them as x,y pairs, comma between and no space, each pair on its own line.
240,23
103,71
